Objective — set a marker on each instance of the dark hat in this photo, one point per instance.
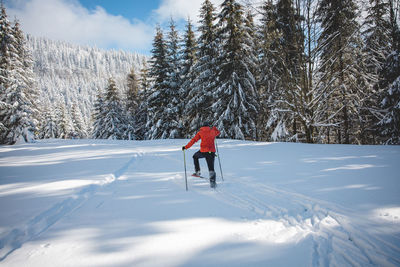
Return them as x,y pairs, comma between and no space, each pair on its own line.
206,123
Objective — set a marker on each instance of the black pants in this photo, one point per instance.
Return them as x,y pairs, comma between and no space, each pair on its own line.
210,156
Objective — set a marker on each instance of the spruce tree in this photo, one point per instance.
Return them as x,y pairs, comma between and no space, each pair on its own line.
64,121
378,41
268,80
189,59
235,100
389,124
132,104
174,127
98,116
17,88
78,129
114,121
143,95
161,111
49,128
200,97
342,67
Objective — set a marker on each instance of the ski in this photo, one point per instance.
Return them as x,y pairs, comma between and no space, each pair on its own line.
213,184
199,176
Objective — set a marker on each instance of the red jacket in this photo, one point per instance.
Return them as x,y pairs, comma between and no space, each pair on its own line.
207,136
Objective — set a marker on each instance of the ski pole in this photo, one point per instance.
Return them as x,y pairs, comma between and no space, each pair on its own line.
184,163
219,160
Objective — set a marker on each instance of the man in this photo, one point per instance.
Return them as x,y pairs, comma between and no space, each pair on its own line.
207,135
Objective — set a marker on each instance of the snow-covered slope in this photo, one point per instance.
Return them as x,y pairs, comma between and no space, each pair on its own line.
120,203
68,73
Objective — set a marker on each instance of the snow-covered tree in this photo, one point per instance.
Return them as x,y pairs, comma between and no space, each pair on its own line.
64,121
17,86
389,124
378,42
268,80
132,104
142,111
98,116
200,97
49,127
174,107
162,110
79,129
110,120
189,59
235,100
341,66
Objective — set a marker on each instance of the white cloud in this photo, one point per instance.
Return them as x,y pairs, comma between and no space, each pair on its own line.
182,9
68,20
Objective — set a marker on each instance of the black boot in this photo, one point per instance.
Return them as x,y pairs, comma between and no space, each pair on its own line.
213,184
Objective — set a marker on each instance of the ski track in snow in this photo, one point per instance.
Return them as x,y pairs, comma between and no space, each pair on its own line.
13,240
335,242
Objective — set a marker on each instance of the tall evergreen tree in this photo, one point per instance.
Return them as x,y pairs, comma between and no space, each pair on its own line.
389,124
200,97
189,59
132,93
114,120
49,128
79,128
132,104
98,116
268,80
174,127
143,95
341,65
378,41
286,41
158,100
64,121
236,99
17,90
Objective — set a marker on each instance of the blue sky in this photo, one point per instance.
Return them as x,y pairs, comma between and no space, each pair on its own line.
110,24
134,9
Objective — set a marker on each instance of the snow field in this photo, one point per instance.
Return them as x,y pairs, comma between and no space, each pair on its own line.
121,203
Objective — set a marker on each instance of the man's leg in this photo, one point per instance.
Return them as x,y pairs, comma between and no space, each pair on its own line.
210,156
210,163
196,157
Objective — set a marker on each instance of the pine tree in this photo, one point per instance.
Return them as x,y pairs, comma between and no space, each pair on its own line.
143,95
161,111
341,67
377,37
268,80
132,104
98,116
17,89
236,99
114,121
189,59
174,128
49,127
132,93
200,97
78,130
63,121
389,124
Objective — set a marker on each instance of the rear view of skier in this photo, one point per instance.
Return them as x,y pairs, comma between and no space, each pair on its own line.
207,135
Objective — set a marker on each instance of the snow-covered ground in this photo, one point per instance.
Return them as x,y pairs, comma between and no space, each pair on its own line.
120,203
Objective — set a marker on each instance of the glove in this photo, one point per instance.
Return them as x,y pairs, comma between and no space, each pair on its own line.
183,148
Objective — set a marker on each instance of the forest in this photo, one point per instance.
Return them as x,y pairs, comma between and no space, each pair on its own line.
315,71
